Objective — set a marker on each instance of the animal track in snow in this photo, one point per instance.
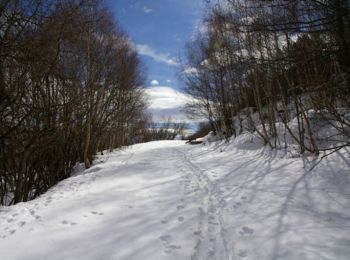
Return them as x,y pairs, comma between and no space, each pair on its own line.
66,222
125,207
97,213
246,231
166,239
181,219
197,233
32,213
238,204
21,223
211,253
242,253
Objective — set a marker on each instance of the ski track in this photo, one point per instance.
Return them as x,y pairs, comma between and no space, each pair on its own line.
161,201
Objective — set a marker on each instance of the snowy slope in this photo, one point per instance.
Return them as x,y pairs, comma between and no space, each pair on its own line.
168,200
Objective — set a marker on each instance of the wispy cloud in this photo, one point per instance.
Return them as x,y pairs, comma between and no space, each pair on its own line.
167,102
190,71
146,50
147,10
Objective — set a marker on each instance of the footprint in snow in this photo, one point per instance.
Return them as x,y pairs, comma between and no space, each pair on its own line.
65,222
244,197
48,201
21,223
167,245
164,222
201,211
97,213
242,253
197,233
180,207
246,231
181,219
238,204
211,253
165,238
173,247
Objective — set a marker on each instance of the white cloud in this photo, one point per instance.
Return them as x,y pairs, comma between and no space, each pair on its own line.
190,71
147,10
146,50
167,102
166,98
154,82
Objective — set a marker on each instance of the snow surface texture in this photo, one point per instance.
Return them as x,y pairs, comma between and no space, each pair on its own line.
168,200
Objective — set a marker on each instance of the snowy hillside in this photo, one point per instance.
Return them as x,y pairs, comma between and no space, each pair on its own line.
169,200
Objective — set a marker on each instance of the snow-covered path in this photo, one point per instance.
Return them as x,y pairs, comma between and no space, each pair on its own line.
167,200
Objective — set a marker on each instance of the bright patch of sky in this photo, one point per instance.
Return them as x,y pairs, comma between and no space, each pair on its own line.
160,30
165,101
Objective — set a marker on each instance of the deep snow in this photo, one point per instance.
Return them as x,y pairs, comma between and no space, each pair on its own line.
169,200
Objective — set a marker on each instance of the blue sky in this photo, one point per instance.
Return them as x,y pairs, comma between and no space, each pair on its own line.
160,30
